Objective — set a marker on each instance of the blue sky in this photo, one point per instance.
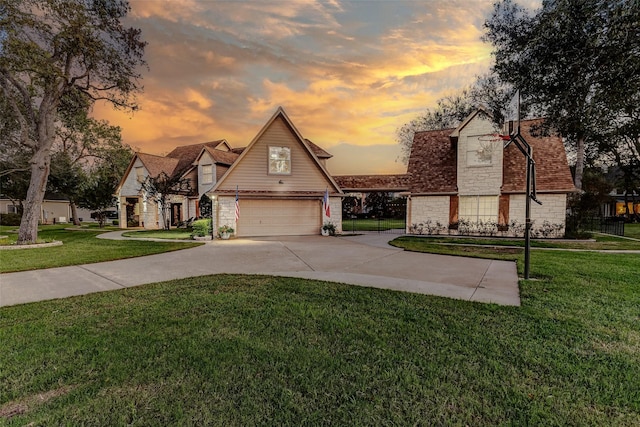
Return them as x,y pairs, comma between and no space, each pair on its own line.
348,73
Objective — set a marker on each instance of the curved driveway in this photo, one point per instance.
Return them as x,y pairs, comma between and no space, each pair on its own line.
365,260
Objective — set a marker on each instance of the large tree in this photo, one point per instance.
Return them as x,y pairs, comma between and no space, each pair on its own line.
577,61
58,58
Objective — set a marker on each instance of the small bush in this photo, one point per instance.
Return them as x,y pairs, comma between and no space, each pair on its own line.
115,222
201,228
10,219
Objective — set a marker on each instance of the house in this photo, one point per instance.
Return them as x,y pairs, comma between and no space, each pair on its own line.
55,209
197,164
280,181
458,180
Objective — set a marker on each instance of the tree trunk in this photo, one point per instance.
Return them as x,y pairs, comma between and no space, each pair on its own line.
74,213
579,163
40,166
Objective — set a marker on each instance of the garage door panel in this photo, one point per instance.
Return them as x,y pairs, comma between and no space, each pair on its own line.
279,217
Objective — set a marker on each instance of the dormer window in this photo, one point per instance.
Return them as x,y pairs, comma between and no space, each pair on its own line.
207,174
280,160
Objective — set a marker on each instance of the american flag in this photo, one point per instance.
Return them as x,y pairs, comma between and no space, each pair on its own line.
237,205
325,202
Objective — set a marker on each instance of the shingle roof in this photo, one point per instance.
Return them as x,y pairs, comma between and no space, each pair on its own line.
187,154
157,164
399,182
552,169
318,151
223,157
432,163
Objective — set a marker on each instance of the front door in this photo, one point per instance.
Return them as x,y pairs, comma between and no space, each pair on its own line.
176,214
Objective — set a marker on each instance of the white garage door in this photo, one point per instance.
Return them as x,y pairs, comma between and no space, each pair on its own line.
279,217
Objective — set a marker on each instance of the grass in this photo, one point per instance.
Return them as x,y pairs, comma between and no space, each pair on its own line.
252,350
79,247
632,230
349,225
599,242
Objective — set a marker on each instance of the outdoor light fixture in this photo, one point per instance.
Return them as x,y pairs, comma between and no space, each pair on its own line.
281,182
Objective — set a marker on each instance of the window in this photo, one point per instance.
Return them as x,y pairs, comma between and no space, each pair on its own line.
280,160
480,152
207,174
12,209
478,208
140,173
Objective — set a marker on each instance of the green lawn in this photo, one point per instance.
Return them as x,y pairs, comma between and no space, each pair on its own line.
250,350
349,225
79,247
632,230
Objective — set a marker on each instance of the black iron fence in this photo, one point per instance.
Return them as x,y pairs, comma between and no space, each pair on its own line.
392,220
609,225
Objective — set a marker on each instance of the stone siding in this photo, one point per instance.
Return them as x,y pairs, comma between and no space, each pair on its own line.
478,179
335,204
429,208
553,209
226,212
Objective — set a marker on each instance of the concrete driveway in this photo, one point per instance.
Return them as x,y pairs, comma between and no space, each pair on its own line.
365,260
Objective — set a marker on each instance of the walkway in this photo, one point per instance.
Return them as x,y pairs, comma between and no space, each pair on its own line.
365,260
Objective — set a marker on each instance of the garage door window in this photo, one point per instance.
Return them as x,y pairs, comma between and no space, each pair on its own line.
280,160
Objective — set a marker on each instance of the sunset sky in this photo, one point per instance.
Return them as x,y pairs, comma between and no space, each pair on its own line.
348,73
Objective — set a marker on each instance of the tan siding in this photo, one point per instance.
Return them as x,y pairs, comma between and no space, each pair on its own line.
252,171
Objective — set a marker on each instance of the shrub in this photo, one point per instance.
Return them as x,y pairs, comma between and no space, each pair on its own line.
201,228
9,219
115,222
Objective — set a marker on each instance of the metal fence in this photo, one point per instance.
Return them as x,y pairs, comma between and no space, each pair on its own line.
392,220
608,225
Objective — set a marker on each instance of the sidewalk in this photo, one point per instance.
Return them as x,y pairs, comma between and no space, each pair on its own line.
364,260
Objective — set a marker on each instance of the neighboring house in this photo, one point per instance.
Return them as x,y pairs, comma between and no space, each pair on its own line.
457,179
280,180
201,164
54,210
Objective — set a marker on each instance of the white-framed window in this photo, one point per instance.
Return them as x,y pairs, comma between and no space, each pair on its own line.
13,209
207,174
280,160
140,173
478,208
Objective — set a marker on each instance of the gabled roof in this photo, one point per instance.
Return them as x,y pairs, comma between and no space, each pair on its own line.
465,122
155,165
552,169
187,154
432,162
391,183
221,157
280,113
